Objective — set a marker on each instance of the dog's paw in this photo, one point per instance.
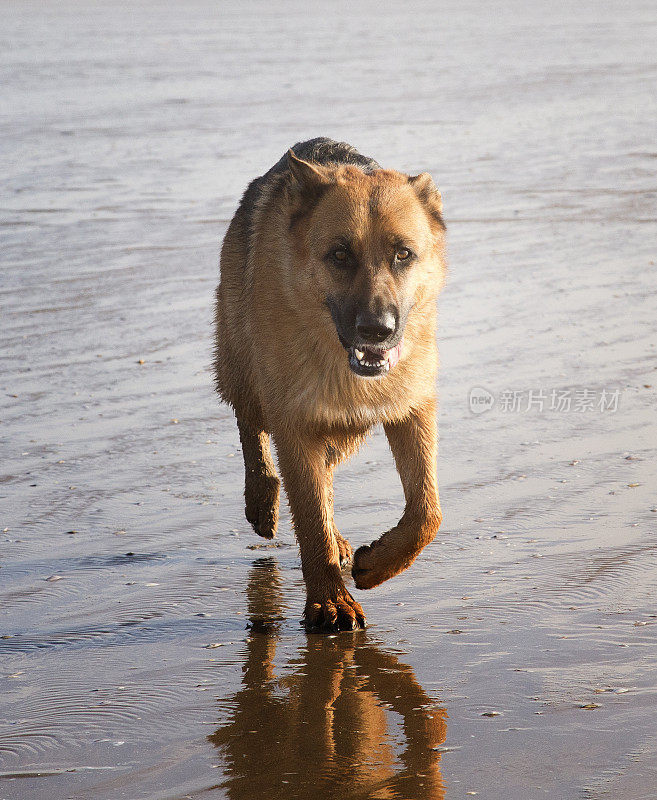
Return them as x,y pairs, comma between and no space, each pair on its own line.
332,614
394,551
370,567
261,495
346,550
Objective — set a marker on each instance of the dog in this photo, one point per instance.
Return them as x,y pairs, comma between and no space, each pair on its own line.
325,325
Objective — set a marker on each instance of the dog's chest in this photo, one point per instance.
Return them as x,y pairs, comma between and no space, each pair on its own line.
335,400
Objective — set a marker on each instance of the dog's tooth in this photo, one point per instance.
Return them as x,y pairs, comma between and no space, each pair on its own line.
359,354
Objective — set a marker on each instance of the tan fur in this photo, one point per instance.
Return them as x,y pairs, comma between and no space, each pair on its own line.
280,363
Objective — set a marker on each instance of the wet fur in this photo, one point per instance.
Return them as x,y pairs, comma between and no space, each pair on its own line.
281,366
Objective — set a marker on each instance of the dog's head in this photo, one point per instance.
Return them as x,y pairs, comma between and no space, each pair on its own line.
371,245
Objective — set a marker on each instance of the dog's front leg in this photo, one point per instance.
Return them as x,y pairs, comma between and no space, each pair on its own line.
414,443
302,460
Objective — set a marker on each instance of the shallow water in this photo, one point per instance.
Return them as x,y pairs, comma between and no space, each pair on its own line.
150,642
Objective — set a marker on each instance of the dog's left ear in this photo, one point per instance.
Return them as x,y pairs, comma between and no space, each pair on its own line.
308,177
426,190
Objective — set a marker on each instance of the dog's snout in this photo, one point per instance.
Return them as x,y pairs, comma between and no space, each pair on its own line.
375,327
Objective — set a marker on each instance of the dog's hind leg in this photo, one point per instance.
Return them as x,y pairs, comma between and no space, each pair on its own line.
414,444
344,548
261,483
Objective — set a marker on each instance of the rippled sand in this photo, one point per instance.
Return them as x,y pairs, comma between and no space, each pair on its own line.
150,642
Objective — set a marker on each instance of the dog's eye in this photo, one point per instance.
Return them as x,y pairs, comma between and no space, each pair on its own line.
340,255
403,254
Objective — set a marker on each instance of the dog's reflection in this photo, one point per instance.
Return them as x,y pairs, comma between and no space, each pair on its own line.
343,719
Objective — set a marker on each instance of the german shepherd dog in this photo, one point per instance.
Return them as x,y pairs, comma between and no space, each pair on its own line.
325,326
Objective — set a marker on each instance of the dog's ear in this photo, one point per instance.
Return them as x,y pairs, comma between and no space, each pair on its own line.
426,190
309,178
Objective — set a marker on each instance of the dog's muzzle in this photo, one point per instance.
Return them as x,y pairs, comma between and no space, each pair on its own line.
373,341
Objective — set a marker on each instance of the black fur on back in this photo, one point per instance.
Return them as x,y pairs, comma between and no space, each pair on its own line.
320,150
325,151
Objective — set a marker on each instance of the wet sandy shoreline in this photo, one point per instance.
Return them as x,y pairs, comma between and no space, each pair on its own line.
124,551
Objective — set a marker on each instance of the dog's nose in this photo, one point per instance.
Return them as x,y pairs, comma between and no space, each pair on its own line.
375,327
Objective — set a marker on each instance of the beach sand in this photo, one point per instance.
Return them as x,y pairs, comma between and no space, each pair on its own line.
151,645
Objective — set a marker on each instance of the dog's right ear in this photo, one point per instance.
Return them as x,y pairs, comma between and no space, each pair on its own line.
308,178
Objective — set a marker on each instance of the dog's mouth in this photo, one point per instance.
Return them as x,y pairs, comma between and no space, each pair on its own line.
370,362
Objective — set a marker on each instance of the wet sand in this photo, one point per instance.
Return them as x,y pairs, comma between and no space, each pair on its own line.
151,645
